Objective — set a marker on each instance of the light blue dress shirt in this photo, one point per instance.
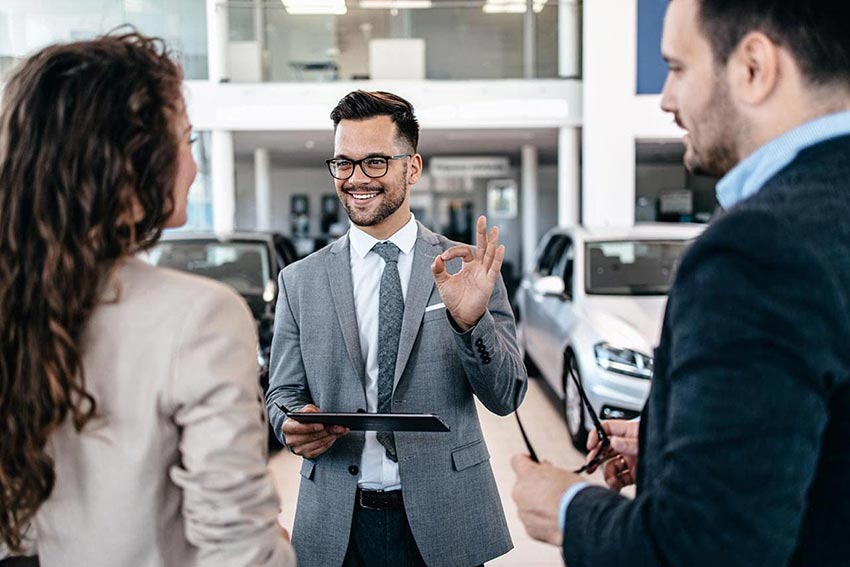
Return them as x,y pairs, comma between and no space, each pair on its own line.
745,180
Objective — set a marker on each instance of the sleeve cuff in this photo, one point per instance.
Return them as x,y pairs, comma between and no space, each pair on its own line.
565,503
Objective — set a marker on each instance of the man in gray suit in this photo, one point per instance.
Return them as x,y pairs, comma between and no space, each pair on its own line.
393,318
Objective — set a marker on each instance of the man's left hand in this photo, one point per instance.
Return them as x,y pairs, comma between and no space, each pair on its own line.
537,493
467,293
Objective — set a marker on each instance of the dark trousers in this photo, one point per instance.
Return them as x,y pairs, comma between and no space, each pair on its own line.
19,562
381,538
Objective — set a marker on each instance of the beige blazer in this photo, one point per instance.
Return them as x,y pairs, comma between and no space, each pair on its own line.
172,472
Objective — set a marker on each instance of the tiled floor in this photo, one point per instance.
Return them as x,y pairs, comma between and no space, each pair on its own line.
545,428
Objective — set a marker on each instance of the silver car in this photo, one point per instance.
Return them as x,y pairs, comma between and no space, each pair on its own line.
595,300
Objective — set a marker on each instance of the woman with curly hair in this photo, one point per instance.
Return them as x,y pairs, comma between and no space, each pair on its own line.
131,427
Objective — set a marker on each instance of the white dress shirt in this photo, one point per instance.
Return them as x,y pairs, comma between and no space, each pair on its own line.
377,472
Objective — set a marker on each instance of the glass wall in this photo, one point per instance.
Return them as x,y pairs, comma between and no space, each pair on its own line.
199,209
450,40
29,25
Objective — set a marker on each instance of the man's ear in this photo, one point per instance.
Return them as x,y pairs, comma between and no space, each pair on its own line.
414,170
753,69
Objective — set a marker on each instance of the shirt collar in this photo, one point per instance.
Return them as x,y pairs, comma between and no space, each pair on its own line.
746,178
404,238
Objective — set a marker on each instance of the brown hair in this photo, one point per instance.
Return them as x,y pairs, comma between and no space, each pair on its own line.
814,31
88,159
360,105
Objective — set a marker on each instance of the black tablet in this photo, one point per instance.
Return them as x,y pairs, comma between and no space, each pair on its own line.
372,421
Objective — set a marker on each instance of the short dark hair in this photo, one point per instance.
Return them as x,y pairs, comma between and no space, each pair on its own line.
360,105
815,31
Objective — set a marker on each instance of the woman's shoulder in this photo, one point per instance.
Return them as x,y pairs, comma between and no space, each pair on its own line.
139,279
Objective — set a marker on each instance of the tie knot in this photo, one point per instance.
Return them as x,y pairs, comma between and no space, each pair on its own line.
387,250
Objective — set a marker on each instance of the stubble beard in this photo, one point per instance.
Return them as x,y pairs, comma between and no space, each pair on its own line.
720,125
390,203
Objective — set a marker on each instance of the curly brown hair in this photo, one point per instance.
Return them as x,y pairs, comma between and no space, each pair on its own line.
88,159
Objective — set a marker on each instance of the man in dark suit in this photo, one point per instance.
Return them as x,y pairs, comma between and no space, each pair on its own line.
743,446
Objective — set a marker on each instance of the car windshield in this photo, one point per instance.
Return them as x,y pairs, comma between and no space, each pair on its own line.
241,265
632,267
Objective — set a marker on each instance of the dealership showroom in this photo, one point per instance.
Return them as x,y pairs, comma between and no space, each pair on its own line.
545,117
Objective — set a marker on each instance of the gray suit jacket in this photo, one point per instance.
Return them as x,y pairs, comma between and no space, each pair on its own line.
450,495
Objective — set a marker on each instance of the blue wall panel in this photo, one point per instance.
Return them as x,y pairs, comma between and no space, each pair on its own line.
651,70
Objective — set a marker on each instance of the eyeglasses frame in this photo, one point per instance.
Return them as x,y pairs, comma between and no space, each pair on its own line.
602,453
356,162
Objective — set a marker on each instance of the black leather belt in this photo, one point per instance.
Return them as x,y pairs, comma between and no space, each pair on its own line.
380,499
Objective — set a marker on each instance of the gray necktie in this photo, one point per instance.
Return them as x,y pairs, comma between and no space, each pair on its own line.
391,313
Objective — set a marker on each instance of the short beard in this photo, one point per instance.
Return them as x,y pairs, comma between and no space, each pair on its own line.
723,126
384,211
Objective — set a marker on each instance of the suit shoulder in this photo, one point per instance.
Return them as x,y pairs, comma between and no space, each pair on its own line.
438,239
311,262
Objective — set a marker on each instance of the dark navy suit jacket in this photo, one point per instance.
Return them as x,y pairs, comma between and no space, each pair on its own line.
745,438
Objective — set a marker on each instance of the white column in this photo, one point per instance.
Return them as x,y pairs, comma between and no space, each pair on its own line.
609,83
217,41
528,192
569,38
222,162
263,189
529,42
222,166
569,175
260,36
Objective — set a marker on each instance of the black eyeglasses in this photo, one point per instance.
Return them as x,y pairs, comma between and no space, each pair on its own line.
372,166
604,441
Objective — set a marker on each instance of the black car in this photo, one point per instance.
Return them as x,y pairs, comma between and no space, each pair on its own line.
249,262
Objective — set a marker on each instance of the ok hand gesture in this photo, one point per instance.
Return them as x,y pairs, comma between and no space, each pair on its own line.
467,293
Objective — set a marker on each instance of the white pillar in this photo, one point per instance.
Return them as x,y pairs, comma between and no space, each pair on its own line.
569,175
263,189
222,162
528,193
260,36
609,80
569,39
222,166
217,41
529,42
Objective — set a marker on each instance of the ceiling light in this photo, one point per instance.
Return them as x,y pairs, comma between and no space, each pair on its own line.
395,4
315,7
511,6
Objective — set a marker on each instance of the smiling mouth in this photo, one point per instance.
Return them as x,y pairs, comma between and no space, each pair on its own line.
363,196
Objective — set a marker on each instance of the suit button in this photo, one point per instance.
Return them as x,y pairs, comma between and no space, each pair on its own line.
479,342
485,359
353,470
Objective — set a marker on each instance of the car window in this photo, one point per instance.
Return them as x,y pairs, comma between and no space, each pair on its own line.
241,265
632,267
551,254
564,267
285,250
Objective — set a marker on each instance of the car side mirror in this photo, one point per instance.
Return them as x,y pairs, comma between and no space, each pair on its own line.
551,286
269,291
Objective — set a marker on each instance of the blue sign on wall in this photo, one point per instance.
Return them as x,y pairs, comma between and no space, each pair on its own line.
651,70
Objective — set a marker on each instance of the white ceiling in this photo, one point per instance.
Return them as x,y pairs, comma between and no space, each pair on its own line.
306,148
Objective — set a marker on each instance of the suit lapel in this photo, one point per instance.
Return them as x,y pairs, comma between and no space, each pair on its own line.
418,291
342,293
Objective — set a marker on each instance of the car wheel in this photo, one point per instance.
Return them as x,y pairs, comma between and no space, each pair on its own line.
530,367
573,407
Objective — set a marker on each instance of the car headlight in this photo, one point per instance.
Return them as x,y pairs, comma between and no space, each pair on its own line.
623,361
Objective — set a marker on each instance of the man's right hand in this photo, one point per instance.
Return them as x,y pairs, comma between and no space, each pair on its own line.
621,470
310,440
